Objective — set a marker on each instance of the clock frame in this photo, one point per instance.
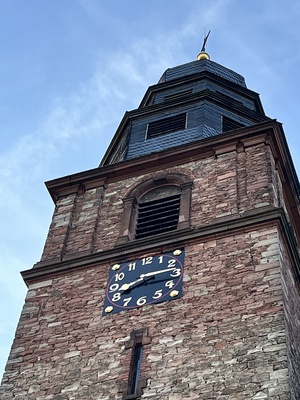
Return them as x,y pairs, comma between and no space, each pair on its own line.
144,281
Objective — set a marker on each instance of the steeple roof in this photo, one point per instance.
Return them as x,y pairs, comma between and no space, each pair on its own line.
202,65
190,102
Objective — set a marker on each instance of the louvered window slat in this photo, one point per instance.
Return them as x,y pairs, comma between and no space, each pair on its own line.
159,203
158,216
166,125
158,213
161,215
155,228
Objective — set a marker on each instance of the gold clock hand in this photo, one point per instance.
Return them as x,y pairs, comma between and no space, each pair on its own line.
156,272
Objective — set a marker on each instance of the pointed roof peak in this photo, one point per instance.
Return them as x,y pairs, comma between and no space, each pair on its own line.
203,55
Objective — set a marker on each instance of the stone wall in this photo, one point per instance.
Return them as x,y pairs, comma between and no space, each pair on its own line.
224,339
74,225
226,186
291,296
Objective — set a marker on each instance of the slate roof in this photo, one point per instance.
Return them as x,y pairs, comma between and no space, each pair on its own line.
199,66
206,91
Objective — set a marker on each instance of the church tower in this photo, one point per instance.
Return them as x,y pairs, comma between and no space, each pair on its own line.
171,271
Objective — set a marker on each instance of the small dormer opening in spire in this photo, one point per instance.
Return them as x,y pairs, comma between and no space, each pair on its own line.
203,55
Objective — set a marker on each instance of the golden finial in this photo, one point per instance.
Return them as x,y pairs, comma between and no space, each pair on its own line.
203,55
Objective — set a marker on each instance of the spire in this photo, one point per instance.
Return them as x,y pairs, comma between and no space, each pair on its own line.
203,55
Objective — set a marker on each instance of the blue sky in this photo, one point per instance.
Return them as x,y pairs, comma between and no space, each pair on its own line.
69,69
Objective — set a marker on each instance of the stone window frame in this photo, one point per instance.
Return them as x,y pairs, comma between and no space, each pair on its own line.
137,337
131,201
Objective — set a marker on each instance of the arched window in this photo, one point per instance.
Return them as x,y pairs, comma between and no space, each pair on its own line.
156,206
158,211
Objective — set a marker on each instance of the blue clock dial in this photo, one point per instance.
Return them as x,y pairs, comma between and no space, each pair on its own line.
144,281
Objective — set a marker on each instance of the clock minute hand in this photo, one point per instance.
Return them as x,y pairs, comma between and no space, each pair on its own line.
127,286
156,272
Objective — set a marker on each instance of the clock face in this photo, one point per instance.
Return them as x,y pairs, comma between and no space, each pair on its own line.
144,281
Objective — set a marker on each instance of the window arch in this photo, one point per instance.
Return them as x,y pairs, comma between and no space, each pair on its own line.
157,205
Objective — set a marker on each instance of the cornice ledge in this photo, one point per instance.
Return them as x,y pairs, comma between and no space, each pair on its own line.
166,242
192,151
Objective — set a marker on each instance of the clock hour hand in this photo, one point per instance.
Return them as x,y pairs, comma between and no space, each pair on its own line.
127,286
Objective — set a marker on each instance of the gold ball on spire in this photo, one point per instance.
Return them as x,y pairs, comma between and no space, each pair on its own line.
203,56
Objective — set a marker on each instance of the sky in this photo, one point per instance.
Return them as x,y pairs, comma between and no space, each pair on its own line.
69,69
